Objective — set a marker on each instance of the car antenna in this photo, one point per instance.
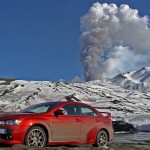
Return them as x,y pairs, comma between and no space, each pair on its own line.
72,96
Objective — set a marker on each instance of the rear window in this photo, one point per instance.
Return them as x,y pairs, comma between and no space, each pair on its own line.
87,111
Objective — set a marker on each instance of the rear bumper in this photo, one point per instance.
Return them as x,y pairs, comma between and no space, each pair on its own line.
111,134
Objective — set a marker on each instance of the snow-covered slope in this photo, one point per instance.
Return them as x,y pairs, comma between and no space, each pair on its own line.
136,80
103,94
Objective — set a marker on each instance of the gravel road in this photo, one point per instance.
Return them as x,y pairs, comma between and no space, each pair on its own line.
121,141
110,147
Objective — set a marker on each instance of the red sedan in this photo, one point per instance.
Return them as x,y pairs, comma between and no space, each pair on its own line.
61,122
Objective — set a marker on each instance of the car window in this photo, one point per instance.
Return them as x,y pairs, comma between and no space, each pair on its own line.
121,123
86,111
40,108
114,123
71,110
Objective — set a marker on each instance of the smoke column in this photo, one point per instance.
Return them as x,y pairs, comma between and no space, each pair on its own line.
114,40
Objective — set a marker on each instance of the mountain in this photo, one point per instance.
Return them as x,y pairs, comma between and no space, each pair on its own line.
136,80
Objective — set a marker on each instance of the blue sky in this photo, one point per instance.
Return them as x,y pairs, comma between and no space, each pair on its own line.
39,39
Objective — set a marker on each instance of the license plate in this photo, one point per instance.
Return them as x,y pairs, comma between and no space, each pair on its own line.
3,131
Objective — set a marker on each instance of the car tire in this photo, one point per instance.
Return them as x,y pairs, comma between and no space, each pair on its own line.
131,130
36,137
101,139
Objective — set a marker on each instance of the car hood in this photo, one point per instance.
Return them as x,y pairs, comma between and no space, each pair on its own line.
11,116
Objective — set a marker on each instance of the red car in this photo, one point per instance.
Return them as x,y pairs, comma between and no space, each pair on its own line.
51,123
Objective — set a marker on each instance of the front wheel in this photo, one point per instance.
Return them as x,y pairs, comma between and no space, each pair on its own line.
101,139
36,137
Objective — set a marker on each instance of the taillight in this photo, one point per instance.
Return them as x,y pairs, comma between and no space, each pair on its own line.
108,115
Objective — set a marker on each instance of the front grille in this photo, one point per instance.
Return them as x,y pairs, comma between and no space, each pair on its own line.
6,137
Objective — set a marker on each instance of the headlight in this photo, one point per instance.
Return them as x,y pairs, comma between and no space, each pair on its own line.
10,122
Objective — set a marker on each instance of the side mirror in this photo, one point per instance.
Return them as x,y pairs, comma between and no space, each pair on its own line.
59,112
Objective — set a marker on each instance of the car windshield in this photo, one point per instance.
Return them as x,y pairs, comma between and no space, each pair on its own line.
40,108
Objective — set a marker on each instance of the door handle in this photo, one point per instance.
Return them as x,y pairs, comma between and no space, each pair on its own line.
97,120
78,120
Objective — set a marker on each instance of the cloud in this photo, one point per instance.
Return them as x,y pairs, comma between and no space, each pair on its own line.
114,39
76,79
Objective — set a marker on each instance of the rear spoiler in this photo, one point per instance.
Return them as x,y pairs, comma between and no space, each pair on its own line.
107,114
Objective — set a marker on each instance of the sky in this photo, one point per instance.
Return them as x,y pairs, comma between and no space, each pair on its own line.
40,39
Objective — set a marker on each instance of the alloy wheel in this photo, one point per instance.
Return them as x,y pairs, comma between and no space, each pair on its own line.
36,137
101,139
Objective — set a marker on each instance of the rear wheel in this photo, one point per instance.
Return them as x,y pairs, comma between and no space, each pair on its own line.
131,130
36,137
101,139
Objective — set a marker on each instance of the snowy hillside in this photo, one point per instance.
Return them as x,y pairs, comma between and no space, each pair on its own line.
136,80
18,94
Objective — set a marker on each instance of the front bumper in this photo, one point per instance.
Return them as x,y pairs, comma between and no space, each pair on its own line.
12,134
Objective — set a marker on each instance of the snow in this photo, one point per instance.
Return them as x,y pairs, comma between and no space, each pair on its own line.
136,80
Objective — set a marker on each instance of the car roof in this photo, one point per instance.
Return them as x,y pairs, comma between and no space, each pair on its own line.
68,102
63,102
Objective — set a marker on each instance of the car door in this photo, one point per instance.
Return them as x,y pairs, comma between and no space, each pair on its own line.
89,122
66,128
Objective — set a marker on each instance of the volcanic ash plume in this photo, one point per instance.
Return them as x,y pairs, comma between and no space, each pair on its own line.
114,39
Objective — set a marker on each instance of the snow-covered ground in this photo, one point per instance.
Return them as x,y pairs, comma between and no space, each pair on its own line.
105,94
